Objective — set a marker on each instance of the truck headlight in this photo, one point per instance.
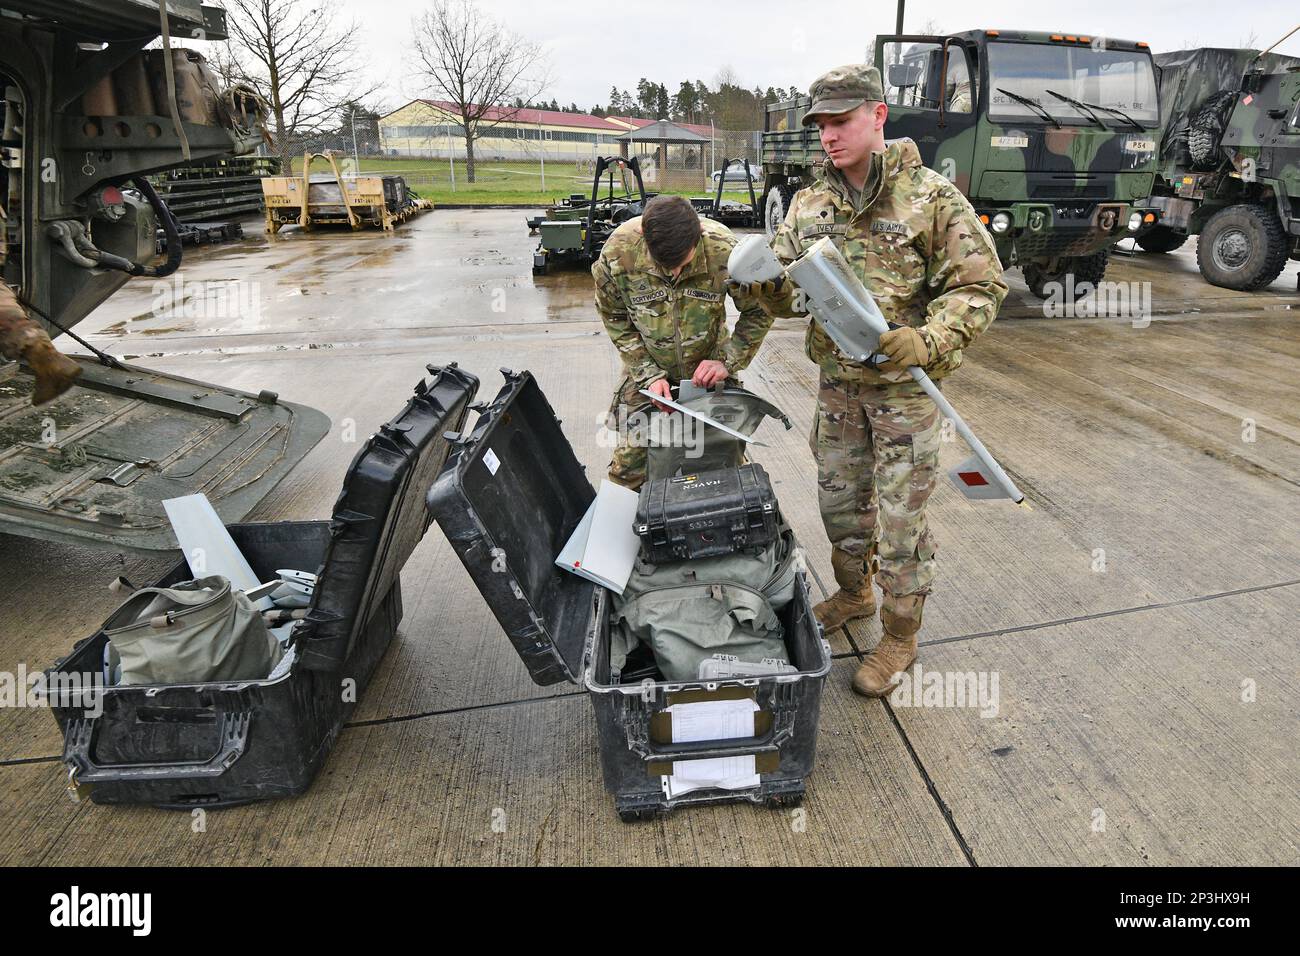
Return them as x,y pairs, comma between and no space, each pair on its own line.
1135,222
1001,223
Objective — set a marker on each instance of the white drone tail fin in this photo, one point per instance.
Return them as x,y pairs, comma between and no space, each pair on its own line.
974,480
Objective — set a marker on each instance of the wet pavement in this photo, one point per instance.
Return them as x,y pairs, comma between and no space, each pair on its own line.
1140,616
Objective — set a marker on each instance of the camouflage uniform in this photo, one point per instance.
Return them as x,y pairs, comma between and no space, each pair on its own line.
959,96
664,327
919,248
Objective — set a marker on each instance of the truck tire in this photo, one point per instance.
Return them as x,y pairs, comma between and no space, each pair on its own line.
1206,126
1242,247
778,204
1161,239
1085,268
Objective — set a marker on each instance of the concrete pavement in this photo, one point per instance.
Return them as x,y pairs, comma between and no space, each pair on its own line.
1141,616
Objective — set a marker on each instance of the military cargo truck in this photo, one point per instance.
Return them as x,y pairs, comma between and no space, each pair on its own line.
1229,163
89,113
1051,136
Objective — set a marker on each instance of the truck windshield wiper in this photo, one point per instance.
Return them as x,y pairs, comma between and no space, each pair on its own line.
1032,105
1110,109
1097,106
1081,107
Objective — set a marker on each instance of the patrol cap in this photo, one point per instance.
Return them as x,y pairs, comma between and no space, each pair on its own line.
842,89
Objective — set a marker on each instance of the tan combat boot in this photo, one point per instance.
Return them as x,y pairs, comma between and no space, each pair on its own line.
854,599
54,371
900,619
20,337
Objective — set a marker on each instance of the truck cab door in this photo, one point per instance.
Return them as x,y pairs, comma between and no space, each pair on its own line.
930,87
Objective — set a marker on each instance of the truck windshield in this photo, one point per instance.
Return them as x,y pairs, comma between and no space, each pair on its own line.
1119,79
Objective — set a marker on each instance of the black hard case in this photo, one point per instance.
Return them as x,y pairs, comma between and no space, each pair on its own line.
507,515
708,514
222,744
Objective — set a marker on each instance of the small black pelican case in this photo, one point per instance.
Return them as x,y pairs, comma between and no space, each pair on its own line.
221,744
707,514
510,496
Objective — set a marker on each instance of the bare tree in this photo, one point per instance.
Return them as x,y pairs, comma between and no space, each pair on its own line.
299,58
478,66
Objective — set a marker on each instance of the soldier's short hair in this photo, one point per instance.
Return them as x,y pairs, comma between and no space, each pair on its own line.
671,227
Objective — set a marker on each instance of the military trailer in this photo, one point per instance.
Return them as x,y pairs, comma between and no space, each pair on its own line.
338,197
1051,136
1229,163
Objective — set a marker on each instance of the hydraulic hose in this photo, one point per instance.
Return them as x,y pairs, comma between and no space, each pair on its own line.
171,231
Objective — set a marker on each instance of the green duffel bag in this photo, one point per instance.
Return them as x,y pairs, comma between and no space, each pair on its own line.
191,633
690,611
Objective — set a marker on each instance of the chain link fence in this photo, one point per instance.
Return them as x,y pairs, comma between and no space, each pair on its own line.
512,171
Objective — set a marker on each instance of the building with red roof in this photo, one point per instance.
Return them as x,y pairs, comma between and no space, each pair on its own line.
432,128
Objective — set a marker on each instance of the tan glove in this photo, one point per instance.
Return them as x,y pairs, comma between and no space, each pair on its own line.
905,347
758,290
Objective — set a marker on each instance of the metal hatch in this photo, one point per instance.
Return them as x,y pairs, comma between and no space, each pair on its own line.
380,517
96,464
509,497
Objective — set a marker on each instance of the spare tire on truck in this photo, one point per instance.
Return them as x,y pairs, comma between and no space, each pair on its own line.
777,205
1206,126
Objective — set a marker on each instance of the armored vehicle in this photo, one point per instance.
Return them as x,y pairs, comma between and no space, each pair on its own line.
1229,163
89,113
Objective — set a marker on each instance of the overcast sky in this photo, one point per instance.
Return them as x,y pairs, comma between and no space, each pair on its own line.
598,43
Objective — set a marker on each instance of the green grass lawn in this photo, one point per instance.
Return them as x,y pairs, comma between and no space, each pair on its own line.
500,182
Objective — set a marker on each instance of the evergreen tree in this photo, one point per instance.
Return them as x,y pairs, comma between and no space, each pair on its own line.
662,109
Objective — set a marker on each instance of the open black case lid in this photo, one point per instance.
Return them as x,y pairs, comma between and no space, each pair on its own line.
510,496
380,517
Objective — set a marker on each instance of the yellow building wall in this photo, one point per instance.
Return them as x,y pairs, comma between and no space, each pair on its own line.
405,132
